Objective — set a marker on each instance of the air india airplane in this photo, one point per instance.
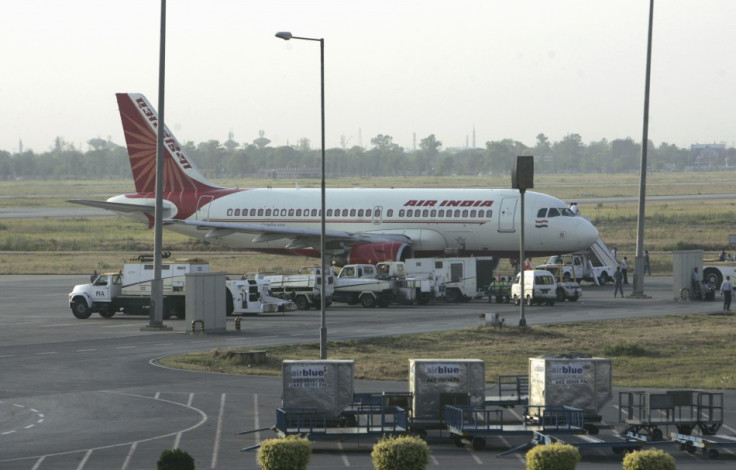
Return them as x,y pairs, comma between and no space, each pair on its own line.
362,225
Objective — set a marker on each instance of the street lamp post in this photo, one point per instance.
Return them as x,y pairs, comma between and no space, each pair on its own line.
323,268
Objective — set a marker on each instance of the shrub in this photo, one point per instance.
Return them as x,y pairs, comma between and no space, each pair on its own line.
650,459
400,453
290,453
555,456
175,459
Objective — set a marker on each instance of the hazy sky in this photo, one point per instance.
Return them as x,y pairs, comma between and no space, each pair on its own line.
408,69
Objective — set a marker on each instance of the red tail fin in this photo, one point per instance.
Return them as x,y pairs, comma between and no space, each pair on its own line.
140,123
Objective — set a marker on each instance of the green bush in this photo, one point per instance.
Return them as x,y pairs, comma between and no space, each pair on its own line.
290,453
400,453
175,459
650,459
555,456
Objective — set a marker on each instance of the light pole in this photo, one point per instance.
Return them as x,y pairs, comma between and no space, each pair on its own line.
323,268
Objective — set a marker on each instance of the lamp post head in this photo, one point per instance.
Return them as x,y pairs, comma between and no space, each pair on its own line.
285,35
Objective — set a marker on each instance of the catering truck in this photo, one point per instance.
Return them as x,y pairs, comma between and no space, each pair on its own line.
454,279
129,291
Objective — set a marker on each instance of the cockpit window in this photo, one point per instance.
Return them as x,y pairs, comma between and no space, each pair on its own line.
553,212
542,213
567,212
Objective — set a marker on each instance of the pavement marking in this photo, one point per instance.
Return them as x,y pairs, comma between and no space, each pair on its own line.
84,460
38,463
128,457
218,432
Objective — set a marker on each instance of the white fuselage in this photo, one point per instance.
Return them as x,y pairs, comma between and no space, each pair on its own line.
438,221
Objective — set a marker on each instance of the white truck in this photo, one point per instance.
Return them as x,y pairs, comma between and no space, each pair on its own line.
370,285
302,288
595,265
129,291
454,279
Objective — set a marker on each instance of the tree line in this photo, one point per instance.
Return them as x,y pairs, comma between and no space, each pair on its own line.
230,159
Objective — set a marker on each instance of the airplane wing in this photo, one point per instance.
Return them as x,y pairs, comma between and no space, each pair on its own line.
297,237
117,206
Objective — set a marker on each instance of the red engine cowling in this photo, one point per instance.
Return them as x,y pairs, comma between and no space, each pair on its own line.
373,253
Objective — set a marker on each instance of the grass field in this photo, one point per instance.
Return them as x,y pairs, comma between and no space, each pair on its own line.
684,351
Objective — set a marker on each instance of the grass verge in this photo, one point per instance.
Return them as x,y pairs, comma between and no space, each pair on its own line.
678,351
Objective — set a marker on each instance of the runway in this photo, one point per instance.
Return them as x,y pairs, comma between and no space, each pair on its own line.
86,394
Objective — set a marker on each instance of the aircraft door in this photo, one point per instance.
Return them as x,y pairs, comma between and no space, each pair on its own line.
506,215
377,215
203,208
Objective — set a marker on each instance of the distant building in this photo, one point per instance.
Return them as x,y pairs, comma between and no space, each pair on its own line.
708,155
289,173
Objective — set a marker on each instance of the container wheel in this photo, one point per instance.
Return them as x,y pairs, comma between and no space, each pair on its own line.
561,294
657,434
574,298
301,302
367,301
684,293
107,313
80,309
453,295
711,453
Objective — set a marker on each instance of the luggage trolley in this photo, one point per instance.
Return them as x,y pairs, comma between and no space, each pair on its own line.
645,412
707,444
473,425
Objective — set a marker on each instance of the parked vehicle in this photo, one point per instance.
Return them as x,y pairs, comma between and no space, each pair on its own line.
595,265
129,291
455,279
540,287
303,288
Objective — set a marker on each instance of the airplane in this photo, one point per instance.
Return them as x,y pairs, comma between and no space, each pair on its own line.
362,225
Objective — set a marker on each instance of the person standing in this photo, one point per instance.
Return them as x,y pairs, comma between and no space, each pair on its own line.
695,281
726,289
625,270
647,266
617,282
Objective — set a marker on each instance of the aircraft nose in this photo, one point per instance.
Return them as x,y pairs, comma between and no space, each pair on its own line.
587,233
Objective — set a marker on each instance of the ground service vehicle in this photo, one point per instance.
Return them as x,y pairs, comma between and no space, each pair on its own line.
539,287
129,291
302,288
370,285
715,272
595,265
456,279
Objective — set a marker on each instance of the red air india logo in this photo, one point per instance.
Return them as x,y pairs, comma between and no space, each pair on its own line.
169,140
448,203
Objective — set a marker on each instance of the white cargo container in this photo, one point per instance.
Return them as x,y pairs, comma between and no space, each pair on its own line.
434,383
325,386
579,381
